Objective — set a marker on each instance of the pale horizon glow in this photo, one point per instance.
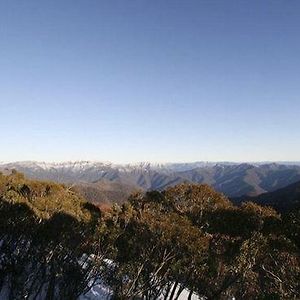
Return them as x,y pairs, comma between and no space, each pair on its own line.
157,81
151,162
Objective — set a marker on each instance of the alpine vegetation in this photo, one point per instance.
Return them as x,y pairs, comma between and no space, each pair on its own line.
186,240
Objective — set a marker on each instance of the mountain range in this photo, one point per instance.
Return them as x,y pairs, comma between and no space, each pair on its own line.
108,182
282,200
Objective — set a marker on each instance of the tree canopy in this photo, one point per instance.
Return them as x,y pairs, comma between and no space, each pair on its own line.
55,245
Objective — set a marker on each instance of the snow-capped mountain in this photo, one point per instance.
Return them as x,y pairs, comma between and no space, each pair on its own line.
233,179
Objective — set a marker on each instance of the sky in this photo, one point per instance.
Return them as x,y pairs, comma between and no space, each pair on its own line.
162,81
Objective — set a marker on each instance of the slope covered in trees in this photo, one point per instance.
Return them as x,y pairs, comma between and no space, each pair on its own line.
44,230
283,200
54,245
105,191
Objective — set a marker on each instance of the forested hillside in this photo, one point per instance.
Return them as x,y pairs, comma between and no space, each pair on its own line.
157,245
283,199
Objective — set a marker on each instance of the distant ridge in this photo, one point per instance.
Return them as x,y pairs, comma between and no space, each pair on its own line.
283,199
118,180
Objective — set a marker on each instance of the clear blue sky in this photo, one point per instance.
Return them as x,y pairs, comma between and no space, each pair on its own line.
150,80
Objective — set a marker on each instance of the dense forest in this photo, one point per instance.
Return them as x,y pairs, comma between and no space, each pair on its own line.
56,245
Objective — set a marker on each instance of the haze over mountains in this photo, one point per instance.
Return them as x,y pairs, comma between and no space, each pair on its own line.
101,182
282,199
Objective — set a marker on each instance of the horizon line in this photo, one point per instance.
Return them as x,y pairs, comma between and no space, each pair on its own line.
153,162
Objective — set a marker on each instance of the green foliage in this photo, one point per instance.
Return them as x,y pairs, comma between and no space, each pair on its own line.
217,250
44,198
44,230
187,237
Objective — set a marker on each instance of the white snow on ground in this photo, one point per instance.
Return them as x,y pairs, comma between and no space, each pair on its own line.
97,291
184,296
101,292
